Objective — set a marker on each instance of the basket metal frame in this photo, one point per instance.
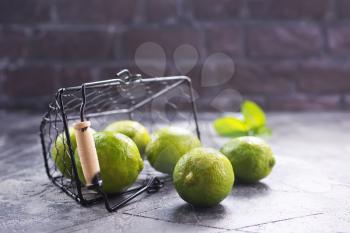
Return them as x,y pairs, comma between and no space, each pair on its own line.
123,78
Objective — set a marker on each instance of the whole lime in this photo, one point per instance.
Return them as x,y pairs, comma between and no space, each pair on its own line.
134,130
203,177
166,147
119,159
251,157
60,152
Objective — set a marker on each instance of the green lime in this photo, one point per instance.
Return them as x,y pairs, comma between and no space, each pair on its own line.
134,130
203,177
251,157
167,145
60,152
119,159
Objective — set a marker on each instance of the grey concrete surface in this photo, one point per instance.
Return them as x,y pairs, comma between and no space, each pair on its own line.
308,190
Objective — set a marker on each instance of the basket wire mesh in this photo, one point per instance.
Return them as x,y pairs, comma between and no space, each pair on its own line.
156,102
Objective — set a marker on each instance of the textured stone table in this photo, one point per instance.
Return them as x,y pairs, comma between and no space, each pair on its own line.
308,191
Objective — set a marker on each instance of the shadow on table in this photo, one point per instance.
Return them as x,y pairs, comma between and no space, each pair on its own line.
187,213
242,190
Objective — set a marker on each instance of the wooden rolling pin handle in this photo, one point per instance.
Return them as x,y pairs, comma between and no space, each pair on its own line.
87,153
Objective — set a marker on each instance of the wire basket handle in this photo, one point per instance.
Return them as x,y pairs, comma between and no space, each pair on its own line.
126,77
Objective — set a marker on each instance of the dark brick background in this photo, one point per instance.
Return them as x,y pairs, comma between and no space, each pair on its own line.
289,54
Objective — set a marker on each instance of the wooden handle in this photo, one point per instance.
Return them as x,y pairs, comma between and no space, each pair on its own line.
87,152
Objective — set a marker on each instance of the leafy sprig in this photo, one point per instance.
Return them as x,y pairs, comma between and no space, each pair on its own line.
252,124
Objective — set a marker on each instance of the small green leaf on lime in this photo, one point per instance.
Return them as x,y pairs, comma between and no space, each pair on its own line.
230,127
263,131
254,116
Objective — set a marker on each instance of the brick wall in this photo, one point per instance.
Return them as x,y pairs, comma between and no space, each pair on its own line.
289,54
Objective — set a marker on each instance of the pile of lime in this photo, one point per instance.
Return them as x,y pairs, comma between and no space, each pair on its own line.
175,151
60,152
119,156
211,173
119,159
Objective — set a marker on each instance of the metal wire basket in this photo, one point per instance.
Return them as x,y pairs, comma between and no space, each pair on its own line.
155,102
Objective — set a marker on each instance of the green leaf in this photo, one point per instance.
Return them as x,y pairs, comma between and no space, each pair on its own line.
254,116
230,127
263,131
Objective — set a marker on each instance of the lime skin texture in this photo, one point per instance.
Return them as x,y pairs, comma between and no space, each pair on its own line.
166,147
134,130
119,158
60,152
203,177
251,157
